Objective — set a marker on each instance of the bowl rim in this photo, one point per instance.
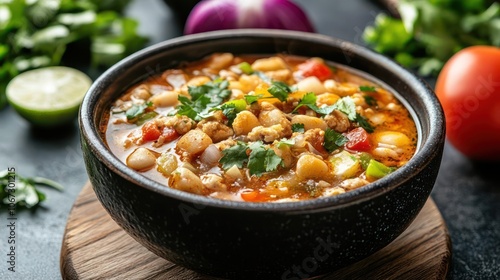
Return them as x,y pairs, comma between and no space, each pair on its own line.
420,159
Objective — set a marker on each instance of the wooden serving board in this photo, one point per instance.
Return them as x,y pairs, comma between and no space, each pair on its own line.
95,247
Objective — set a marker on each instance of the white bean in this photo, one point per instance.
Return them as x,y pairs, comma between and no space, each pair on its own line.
141,159
269,64
194,142
309,122
185,180
165,99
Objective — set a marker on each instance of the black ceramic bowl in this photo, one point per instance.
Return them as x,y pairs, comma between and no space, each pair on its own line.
262,240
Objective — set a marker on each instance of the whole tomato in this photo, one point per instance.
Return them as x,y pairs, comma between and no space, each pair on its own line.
469,90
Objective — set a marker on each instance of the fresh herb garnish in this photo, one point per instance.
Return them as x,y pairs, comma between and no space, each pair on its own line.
25,194
364,123
279,90
367,88
35,34
298,127
229,110
203,99
346,105
333,140
308,99
250,99
370,100
138,113
285,143
260,159
235,155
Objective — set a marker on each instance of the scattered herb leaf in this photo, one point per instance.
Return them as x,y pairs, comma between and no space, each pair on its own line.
203,99
279,90
250,99
370,100
235,155
333,140
262,159
364,123
285,143
298,127
367,88
308,99
229,110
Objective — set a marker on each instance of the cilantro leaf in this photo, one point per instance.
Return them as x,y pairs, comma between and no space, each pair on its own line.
364,123
235,155
370,100
285,143
367,88
203,99
333,140
138,114
298,127
229,110
262,159
308,99
279,90
250,99
346,105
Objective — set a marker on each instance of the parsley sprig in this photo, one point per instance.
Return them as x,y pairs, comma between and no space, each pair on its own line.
256,155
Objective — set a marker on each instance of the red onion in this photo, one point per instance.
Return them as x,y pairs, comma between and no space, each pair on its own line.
212,15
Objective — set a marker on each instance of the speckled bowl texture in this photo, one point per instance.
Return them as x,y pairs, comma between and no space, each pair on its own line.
262,240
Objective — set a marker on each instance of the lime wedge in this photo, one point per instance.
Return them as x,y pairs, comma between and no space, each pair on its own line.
49,96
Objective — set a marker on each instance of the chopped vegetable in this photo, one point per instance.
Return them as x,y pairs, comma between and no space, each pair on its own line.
357,140
150,131
345,165
232,14
23,192
430,32
315,67
35,34
246,68
377,169
370,100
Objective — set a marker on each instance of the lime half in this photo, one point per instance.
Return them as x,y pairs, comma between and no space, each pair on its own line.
49,96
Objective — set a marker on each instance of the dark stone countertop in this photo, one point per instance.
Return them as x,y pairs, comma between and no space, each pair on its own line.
467,193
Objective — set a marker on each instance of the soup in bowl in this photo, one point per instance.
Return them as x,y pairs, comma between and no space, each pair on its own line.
259,153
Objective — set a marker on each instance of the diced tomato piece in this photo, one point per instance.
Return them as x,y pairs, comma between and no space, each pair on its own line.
169,134
314,67
358,140
150,131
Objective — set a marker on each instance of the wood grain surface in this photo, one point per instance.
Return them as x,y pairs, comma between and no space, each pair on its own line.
95,247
